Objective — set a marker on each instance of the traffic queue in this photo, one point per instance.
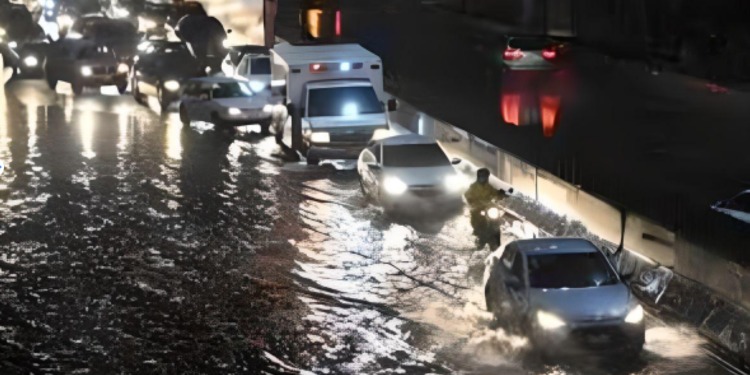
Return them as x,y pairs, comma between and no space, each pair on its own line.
334,106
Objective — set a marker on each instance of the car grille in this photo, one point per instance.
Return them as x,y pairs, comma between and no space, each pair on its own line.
103,70
426,190
599,336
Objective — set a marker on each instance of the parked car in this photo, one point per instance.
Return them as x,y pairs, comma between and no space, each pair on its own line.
31,57
161,69
119,35
225,102
737,207
564,294
254,64
410,171
84,65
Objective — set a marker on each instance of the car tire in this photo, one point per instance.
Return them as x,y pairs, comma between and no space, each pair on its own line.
122,87
184,118
77,87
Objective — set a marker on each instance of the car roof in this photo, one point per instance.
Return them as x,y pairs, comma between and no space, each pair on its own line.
406,139
555,246
216,79
295,55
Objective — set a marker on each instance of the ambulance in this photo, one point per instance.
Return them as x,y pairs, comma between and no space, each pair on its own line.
334,97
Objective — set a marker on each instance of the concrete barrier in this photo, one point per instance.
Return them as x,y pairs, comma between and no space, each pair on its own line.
649,239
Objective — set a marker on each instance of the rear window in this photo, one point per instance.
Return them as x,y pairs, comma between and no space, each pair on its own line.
343,101
529,43
570,270
429,155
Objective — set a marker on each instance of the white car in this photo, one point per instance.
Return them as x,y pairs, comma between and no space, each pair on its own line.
410,172
737,207
224,101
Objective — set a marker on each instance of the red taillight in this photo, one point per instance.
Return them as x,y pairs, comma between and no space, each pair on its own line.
549,53
512,54
317,68
338,23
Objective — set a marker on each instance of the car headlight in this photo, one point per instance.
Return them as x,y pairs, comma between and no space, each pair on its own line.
394,186
320,137
30,61
2,32
64,20
173,85
234,111
548,320
122,68
493,213
454,182
13,44
86,71
257,86
635,315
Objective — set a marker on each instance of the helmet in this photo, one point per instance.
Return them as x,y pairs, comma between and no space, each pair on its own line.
483,175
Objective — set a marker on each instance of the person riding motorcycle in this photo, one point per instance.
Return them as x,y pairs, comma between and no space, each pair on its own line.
480,197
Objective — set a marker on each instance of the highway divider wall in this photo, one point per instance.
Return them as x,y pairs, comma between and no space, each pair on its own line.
669,274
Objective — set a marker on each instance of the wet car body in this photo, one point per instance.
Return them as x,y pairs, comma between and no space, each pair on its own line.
409,172
120,35
224,101
84,64
737,207
565,296
161,69
534,53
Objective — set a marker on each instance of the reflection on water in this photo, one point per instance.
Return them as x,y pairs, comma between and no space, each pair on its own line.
87,123
172,140
533,98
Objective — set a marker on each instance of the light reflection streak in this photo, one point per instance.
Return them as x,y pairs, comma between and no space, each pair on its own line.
172,140
86,128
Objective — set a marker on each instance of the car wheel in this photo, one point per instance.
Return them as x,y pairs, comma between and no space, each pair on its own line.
184,115
77,87
122,87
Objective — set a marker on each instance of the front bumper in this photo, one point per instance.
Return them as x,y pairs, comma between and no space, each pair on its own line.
335,150
588,338
246,118
423,199
104,79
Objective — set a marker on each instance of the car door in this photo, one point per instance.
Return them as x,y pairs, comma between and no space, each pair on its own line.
496,290
516,288
200,107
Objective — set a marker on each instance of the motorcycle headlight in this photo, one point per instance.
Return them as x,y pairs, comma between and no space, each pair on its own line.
234,111
493,213
122,68
86,71
394,186
30,61
173,85
454,182
635,315
13,44
548,320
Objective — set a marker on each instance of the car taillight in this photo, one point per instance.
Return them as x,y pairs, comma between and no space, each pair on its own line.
512,54
549,53
338,23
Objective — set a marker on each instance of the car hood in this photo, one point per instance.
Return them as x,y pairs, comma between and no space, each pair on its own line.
583,304
242,103
430,176
327,123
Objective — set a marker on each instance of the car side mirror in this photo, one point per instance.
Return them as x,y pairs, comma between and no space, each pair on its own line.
456,161
392,105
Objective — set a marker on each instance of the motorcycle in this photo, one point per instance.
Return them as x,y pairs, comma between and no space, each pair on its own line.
487,227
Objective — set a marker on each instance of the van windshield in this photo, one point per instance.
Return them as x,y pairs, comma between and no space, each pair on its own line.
343,101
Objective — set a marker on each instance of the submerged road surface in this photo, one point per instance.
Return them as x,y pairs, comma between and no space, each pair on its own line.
130,244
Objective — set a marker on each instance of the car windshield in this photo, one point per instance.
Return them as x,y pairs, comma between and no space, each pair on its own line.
343,101
231,90
429,155
570,270
97,52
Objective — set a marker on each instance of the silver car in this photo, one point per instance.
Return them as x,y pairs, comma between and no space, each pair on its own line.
565,296
534,53
410,171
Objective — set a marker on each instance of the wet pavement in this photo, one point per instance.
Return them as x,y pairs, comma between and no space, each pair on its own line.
132,244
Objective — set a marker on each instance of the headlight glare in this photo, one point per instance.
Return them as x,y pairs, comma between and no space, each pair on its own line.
173,85
257,86
493,213
86,71
13,44
548,320
30,61
454,182
320,137
635,315
234,111
122,68
394,186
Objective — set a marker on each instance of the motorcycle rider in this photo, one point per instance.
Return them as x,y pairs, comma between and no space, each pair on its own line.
480,197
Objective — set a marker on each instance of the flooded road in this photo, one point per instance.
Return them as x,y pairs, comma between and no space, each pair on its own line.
132,244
